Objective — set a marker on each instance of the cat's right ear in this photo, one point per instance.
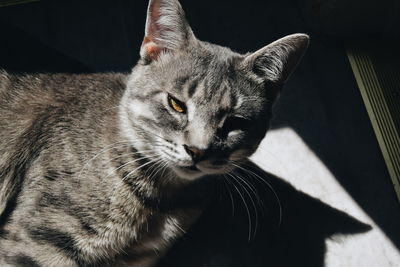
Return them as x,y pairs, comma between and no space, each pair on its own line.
166,29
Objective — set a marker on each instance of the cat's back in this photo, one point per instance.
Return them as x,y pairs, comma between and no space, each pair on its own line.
36,109
26,98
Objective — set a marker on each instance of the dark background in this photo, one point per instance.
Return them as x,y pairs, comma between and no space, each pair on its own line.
321,102
105,35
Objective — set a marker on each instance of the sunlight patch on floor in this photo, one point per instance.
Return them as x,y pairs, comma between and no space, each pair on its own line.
285,154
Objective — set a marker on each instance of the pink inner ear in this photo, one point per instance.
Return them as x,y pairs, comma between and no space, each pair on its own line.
164,35
152,50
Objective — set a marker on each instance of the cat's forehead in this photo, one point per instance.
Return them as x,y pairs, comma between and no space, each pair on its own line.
202,60
208,76
210,72
209,87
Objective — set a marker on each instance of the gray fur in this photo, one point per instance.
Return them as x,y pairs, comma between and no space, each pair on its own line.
93,168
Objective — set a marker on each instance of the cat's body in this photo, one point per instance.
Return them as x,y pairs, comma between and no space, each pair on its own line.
65,116
103,169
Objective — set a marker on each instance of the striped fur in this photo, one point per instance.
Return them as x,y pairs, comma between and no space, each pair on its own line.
95,169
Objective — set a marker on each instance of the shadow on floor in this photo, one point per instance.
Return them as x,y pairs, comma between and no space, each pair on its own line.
323,105
221,239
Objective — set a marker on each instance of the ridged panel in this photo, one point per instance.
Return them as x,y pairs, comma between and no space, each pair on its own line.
379,86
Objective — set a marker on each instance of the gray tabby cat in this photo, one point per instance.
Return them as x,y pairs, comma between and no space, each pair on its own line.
104,169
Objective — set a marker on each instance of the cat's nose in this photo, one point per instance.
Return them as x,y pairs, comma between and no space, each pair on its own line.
194,152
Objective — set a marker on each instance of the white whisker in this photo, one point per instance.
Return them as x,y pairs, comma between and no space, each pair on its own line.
258,178
251,199
244,202
230,194
128,163
162,165
155,168
105,149
141,166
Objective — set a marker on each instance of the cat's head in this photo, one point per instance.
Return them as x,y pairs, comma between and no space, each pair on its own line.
197,107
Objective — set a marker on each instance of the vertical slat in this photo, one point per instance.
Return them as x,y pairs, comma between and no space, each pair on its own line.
386,123
376,84
374,96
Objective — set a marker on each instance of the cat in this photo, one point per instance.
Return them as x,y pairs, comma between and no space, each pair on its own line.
109,169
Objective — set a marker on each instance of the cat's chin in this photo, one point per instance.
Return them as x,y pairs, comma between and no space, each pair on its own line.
195,172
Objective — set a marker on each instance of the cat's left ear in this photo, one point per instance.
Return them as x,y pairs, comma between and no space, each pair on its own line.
166,29
276,61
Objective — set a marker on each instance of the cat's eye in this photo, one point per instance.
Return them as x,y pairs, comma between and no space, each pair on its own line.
176,105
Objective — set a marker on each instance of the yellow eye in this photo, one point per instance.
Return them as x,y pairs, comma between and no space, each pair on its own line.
176,105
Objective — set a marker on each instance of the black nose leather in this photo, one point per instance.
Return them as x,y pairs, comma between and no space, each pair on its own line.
194,152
